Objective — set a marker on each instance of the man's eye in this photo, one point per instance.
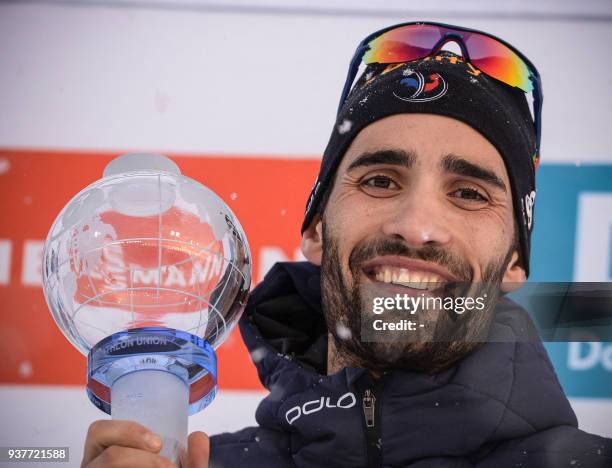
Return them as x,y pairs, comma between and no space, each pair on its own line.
379,182
469,194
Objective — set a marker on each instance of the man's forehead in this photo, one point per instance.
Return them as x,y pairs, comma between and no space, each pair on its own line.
425,140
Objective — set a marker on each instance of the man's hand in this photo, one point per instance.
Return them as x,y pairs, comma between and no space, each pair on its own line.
128,444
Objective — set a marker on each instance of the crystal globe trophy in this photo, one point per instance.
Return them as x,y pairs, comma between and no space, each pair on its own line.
146,272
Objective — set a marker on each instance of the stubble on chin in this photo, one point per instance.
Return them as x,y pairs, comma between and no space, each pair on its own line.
343,305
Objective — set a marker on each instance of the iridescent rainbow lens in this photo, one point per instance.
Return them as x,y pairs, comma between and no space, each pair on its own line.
497,60
403,44
416,41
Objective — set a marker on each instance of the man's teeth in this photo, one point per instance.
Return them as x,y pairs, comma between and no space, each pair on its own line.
411,279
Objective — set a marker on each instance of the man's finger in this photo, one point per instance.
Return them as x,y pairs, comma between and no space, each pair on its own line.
105,433
198,450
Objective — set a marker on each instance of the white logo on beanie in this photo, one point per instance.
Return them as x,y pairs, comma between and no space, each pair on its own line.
529,201
416,87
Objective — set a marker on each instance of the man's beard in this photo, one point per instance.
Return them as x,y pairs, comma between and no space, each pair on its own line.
453,337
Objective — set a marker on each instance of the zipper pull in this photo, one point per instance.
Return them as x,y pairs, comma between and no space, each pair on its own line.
369,402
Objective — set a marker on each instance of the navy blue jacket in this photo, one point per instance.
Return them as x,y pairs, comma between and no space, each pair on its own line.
502,406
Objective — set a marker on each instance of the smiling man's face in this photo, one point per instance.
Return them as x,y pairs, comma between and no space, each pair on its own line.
418,200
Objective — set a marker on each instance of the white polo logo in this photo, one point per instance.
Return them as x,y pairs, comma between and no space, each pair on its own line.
347,400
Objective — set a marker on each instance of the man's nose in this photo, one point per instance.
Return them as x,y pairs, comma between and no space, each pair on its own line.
419,220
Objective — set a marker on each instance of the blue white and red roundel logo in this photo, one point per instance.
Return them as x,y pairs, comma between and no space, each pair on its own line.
416,87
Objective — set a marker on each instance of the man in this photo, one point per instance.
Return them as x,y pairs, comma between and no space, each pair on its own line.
428,181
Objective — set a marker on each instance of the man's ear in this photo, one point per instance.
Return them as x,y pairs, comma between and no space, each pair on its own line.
515,276
312,241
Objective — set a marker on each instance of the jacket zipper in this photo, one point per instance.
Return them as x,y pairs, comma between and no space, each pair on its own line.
371,414
369,407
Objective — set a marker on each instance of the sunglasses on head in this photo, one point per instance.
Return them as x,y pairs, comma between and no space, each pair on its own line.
414,41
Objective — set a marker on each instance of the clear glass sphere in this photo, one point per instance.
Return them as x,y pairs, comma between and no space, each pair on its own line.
145,248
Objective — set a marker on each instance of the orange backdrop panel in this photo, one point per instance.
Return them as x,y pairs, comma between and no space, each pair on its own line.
268,196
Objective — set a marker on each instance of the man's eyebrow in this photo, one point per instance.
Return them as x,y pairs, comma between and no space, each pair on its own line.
461,166
395,157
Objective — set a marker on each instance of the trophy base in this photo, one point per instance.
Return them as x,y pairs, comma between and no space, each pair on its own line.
186,356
